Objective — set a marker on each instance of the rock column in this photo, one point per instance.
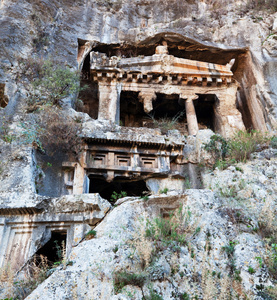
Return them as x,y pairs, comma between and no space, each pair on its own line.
109,101
191,115
146,99
228,117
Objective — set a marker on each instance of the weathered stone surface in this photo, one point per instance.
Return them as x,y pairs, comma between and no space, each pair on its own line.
27,226
50,26
69,30
113,251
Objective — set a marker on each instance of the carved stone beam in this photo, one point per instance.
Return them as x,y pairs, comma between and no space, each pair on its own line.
146,98
191,114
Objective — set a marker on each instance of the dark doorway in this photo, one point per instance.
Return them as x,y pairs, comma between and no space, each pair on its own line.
168,112
131,110
3,98
204,108
106,189
55,248
89,92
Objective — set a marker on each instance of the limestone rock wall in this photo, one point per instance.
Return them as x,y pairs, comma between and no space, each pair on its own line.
54,27
121,244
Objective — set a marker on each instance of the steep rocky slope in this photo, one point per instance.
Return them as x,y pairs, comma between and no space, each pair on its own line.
220,241
223,253
207,30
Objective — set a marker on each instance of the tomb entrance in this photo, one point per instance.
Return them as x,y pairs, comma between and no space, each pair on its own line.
129,89
3,98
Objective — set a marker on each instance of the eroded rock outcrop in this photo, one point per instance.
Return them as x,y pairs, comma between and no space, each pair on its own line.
200,266
135,58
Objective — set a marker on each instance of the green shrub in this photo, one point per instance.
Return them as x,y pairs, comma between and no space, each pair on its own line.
115,196
218,147
154,296
236,149
230,248
272,261
273,142
31,134
91,234
164,191
121,279
169,230
244,143
185,296
251,270
259,260
237,276
48,82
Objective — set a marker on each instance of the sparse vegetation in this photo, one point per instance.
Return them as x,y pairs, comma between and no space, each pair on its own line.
154,296
121,279
163,191
38,271
166,123
91,234
272,260
230,248
5,134
165,231
273,142
258,5
52,131
251,270
48,82
236,149
115,196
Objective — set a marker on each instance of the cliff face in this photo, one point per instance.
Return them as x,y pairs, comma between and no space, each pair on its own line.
218,243
54,28
213,251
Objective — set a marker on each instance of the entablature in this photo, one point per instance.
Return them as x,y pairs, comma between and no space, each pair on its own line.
158,68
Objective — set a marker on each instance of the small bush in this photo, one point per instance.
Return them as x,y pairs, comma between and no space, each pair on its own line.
154,296
115,196
236,149
164,191
166,123
272,261
244,143
48,82
251,270
52,132
169,230
228,192
237,276
259,260
5,134
230,248
273,142
91,234
218,147
185,296
121,279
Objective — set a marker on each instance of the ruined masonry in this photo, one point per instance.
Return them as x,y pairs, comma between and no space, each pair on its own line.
131,93
134,93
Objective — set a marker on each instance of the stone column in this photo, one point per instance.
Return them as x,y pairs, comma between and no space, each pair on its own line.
78,182
109,101
228,117
110,163
191,115
146,99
